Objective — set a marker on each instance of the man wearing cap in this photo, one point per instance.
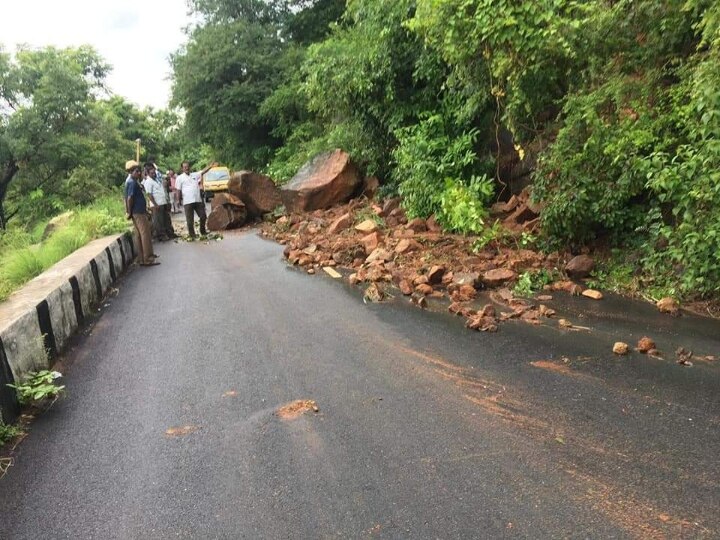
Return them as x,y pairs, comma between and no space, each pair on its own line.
136,209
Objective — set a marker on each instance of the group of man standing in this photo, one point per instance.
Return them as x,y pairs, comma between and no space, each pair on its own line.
145,187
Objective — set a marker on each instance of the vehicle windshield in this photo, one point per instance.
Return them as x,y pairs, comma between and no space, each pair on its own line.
221,174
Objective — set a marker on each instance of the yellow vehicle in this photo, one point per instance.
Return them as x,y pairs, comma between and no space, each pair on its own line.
215,181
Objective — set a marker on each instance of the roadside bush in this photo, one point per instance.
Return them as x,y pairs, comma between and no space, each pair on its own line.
434,171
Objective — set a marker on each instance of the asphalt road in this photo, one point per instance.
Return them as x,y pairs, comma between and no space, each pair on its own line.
424,429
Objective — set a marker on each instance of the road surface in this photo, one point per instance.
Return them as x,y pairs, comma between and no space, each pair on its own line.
173,425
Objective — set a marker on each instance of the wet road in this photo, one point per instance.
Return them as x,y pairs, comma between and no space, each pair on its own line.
424,429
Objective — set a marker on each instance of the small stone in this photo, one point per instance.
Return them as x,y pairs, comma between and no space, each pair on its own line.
432,224
424,288
546,311
419,300
592,293
488,310
405,287
368,226
403,246
564,323
498,276
621,348
374,293
379,254
645,345
420,280
310,270
464,293
436,274
418,225
668,305
544,298
353,279
340,224
371,242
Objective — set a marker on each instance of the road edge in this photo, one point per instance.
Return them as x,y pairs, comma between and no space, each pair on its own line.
37,322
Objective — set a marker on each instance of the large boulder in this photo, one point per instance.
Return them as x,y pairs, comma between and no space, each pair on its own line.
257,191
580,266
328,179
226,216
225,198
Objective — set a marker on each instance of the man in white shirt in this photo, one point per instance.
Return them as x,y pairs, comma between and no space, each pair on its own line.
189,185
158,201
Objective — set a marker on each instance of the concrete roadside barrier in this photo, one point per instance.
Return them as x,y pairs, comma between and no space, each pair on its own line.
37,321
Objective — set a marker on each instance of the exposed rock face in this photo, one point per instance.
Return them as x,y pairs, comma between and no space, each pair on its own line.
328,179
580,266
226,216
257,191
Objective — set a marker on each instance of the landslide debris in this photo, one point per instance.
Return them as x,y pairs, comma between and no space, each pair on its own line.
376,246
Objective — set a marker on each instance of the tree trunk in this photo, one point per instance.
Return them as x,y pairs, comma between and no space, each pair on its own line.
11,168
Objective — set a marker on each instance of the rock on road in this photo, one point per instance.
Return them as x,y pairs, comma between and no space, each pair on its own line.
171,428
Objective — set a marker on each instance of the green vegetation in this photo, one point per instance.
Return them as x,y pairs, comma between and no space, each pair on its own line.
7,433
25,255
531,282
617,101
38,386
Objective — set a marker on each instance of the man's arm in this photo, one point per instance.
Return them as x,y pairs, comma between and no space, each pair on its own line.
206,169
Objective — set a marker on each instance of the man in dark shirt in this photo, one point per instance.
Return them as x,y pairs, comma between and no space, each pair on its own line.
136,209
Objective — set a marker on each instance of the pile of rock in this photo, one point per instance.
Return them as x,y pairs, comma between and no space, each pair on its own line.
519,213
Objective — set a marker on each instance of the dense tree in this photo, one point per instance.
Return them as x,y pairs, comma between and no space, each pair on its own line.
46,115
244,52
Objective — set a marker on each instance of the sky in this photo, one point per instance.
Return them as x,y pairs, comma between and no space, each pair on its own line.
136,37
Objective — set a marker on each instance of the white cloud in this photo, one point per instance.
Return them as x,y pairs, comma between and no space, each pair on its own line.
135,36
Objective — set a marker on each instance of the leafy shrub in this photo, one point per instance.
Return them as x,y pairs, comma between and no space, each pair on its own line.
462,207
38,386
8,432
532,281
432,164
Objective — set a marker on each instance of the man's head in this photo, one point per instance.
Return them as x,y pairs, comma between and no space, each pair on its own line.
170,173
150,170
129,165
135,172
185,166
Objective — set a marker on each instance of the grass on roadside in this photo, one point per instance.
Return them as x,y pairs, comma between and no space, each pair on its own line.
23,256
